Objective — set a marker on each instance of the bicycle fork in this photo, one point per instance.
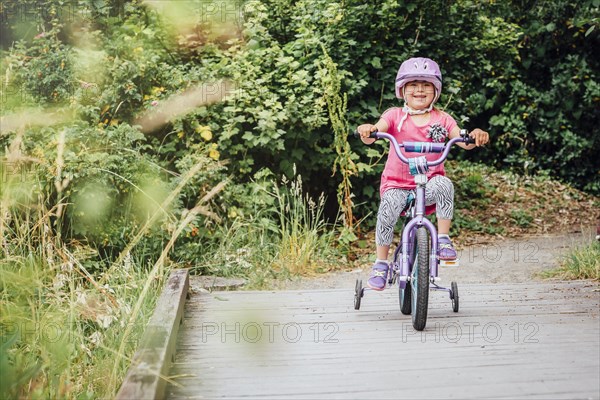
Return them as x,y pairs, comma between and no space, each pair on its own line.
413,224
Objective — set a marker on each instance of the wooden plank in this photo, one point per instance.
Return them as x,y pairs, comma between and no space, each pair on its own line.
151,362
539,340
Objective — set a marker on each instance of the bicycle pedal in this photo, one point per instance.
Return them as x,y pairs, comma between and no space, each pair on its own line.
449,263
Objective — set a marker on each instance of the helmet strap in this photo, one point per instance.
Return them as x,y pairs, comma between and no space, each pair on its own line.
411,111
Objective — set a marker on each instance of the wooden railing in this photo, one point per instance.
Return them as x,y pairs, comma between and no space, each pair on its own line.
145,378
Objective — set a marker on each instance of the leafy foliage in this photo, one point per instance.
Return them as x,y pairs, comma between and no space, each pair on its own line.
527,74
508,68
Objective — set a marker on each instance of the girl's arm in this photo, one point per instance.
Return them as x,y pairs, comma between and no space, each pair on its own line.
481,137
366,129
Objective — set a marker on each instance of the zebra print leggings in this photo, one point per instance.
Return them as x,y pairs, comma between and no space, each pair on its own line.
439,191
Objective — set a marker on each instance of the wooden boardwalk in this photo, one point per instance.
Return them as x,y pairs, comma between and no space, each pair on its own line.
535,340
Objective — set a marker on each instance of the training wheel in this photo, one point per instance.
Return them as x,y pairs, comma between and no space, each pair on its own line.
454,296
358,294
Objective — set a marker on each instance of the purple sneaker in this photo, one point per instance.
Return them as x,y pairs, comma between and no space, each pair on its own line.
378,278
446,250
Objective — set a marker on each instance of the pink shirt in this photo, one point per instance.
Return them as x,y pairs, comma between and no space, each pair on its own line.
396,174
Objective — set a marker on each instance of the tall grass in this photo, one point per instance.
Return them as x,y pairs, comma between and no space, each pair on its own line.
60,333
60,328
285,236
303,239
582,262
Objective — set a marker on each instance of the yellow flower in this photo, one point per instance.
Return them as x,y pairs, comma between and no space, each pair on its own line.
205,132
206,135
180,134
214,154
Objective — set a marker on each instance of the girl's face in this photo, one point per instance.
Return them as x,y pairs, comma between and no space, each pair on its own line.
419,94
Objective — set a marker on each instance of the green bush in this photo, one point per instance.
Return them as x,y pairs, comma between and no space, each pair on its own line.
506,68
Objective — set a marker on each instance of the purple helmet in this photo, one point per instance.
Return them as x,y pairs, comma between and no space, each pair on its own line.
419,69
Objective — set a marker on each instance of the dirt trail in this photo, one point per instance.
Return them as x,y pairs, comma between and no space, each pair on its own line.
508,261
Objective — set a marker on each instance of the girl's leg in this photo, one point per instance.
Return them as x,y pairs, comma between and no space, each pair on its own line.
383,252
392,203
443,226
440,191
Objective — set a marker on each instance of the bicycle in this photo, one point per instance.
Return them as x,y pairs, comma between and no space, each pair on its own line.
416,261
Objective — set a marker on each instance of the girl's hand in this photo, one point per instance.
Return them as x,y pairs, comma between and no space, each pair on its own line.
365,130
481,137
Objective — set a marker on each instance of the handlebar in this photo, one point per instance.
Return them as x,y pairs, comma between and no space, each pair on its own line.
422,147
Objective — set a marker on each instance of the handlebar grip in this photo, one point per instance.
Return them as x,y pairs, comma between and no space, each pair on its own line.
465,135
373,135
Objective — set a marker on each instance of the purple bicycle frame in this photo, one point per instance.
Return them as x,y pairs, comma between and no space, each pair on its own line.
419,219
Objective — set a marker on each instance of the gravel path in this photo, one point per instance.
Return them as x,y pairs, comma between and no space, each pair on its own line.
512,260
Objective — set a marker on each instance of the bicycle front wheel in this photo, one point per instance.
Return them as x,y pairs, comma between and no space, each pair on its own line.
405,295
420,281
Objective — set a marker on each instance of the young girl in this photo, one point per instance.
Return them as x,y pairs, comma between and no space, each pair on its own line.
419,83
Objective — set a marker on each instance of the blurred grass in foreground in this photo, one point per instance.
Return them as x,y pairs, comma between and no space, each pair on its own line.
72,305
60,333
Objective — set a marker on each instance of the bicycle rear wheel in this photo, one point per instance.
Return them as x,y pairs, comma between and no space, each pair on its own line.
420,281
405,299
454,298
